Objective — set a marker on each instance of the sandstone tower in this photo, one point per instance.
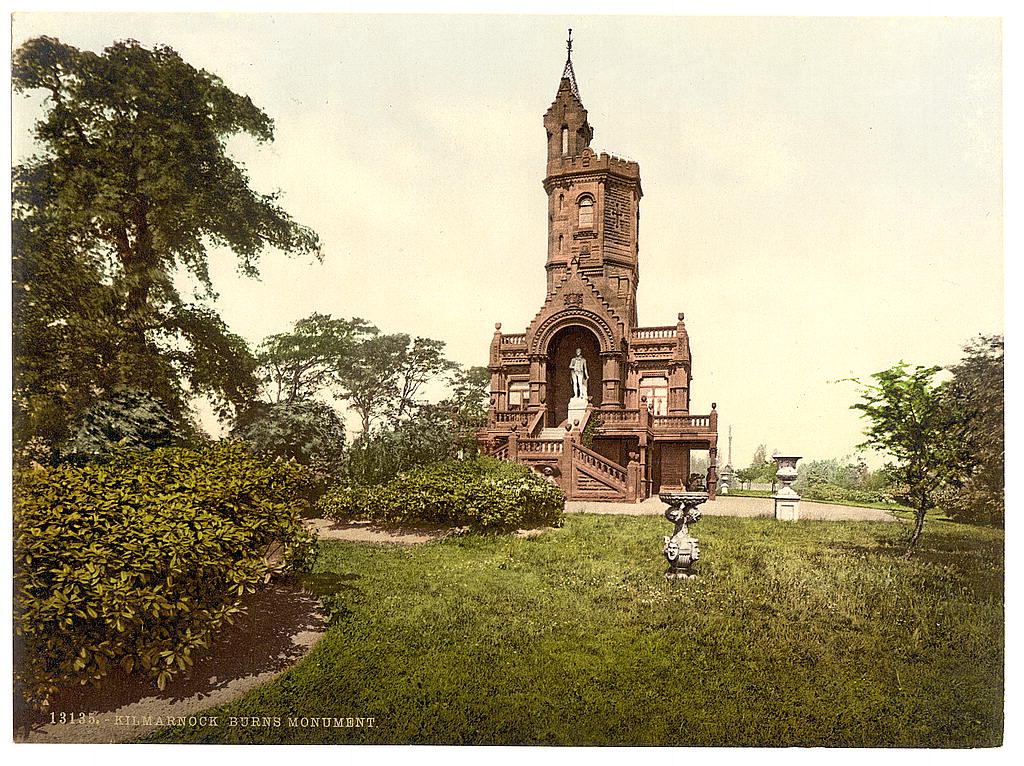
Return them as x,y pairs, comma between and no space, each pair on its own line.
636,432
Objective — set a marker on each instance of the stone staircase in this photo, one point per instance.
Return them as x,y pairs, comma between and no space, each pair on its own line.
581,473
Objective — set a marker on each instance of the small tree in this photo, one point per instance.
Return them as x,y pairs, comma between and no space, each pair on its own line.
910,420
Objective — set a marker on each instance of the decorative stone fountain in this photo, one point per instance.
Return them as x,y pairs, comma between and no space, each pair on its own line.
787,501
680,549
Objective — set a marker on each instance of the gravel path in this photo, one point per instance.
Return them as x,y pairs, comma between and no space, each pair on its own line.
724,505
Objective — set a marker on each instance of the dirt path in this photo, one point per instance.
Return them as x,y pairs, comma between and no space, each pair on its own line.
368,532
279,629
724,505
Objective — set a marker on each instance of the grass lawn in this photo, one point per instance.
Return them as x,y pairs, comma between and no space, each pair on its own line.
813,633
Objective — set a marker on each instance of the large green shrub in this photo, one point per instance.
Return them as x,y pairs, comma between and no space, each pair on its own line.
137,562
308,432
129,419
482,492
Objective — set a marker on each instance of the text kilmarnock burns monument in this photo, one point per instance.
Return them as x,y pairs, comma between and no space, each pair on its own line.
637,401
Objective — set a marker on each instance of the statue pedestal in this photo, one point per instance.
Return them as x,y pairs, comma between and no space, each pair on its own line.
577,409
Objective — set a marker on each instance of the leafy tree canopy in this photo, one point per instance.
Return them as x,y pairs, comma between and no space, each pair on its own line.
384,375
976,391
298,364
131,184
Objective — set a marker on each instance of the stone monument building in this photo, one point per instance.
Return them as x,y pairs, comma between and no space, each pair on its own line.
631,432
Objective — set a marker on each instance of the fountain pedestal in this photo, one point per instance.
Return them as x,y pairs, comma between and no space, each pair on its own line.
680,549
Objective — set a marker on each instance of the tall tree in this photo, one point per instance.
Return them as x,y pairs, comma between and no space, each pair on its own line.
976,391
384,374
368,378
909,419
132,183
422,362
298,364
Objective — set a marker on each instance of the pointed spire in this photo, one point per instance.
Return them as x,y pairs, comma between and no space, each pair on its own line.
568,72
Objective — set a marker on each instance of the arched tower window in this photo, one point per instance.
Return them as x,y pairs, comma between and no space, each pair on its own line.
586,219
560,238
565,140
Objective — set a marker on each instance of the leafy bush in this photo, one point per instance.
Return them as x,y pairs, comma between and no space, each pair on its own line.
378,456
129,419
831,493
482,492
137,562
308,432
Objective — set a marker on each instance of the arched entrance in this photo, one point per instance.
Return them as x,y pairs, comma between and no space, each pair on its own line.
561,349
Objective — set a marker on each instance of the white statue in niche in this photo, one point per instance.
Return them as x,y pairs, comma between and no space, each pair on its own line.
578,371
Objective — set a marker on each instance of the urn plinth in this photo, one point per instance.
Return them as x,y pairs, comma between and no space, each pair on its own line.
787,501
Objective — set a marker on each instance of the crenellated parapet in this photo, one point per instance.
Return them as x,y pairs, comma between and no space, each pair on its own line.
590,162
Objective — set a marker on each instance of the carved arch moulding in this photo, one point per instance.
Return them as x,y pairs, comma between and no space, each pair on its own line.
580,317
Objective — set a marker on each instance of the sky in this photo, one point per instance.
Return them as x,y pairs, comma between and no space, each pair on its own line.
822,196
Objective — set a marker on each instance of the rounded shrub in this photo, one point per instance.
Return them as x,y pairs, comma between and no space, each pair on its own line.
138,561
482,492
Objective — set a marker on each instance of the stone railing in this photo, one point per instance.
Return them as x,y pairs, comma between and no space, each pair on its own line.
642,333
642,419
545,446
513,339
511,417
602,464
614,417
687,422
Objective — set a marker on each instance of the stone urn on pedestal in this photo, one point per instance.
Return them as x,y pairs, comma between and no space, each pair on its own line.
787,501
680,549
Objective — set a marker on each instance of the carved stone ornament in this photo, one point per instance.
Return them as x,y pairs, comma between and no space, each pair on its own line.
573,299
682,551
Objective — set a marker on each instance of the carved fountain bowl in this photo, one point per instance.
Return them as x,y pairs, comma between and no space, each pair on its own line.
682,497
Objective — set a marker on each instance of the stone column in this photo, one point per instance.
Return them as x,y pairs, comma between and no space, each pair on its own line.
538,380
712,477
634,478
611,380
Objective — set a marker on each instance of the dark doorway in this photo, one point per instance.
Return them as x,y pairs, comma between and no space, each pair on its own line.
561,350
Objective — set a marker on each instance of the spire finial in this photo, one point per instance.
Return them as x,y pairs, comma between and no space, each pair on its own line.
567,72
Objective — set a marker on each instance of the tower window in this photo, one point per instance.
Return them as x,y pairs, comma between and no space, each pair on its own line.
586,212
560,238
565,140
